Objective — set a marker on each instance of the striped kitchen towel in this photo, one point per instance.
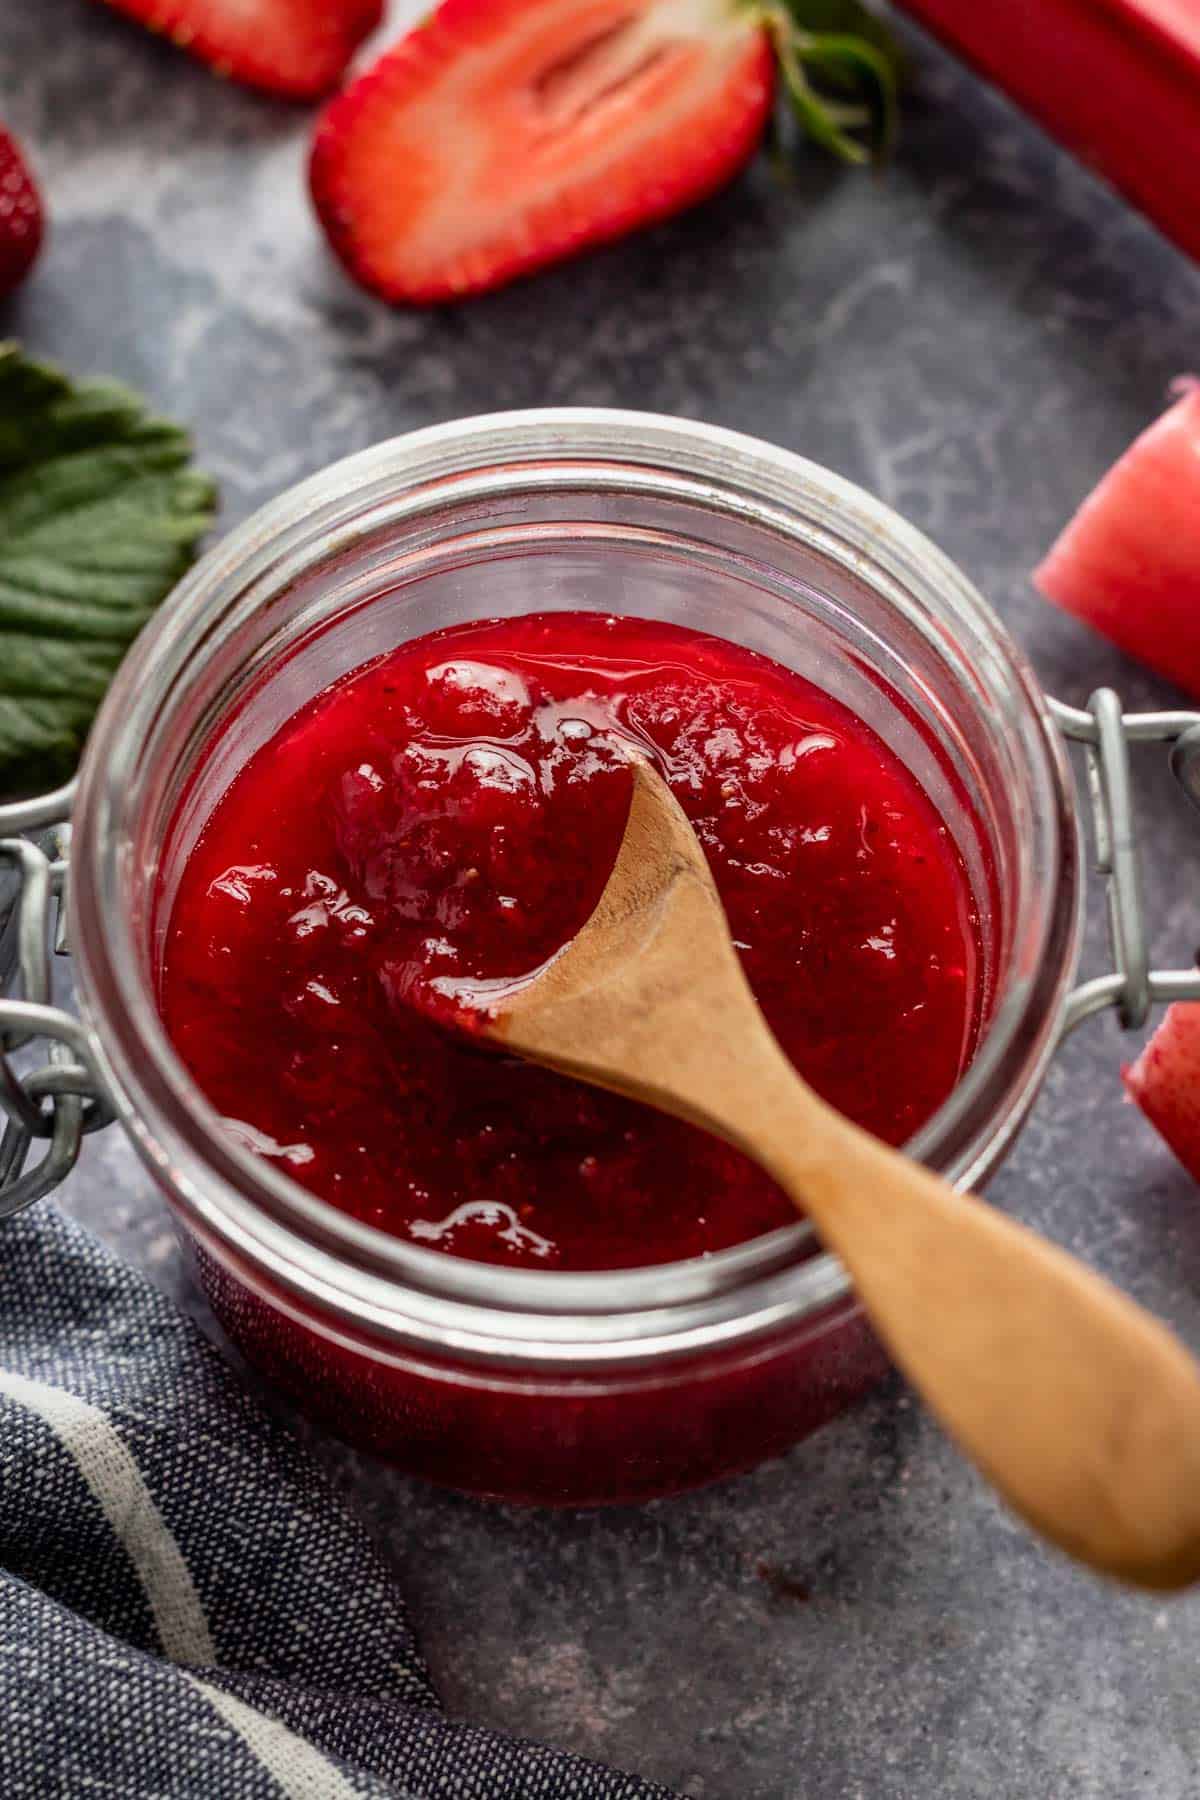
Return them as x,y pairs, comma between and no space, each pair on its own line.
186,1609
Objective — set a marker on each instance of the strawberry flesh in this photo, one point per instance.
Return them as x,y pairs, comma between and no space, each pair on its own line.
21,223
299,48
502,135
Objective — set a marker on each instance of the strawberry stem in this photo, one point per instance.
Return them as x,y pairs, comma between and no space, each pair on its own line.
838,45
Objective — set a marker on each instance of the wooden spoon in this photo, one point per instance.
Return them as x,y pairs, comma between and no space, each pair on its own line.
1078,1406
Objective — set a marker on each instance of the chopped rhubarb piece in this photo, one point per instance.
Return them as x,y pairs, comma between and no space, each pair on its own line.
1129,561
1117,81
1165,1082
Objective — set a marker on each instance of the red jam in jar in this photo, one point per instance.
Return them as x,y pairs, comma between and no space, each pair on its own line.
450,813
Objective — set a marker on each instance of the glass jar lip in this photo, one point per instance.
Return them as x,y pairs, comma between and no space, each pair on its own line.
306,1244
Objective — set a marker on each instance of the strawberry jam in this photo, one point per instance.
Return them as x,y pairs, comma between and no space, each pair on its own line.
449,814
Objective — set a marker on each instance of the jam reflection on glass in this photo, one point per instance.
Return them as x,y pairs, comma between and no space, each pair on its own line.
448,815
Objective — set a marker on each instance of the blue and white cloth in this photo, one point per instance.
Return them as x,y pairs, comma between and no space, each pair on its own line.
186,1608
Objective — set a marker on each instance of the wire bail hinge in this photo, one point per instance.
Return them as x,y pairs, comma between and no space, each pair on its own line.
1107,734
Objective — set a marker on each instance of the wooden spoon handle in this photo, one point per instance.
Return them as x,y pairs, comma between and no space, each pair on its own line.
1078,1406
1081,1409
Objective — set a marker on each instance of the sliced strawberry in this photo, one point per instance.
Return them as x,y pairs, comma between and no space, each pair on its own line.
21,224
295,47
501,135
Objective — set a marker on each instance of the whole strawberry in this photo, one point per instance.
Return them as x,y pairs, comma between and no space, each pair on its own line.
501,135
298,48
21,225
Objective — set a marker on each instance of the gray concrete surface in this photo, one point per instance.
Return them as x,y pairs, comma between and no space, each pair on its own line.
974,338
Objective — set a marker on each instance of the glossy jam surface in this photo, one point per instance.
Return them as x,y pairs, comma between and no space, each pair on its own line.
450,814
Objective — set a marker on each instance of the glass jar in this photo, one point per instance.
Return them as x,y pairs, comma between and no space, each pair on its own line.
523,1384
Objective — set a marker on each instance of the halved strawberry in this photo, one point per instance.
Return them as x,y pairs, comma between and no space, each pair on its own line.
295,47
501,135
21,225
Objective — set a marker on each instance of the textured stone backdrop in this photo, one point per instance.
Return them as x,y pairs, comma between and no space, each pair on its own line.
974,338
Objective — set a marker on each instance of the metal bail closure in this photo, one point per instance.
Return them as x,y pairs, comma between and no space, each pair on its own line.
60,1100
1117,856
1107,734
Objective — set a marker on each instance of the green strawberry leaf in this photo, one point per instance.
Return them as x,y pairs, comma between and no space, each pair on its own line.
841,70
100,515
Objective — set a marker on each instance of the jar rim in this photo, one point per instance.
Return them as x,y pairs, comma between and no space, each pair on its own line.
404,1291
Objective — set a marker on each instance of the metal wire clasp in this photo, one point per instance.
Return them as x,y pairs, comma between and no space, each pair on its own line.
61,1099
1133,987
